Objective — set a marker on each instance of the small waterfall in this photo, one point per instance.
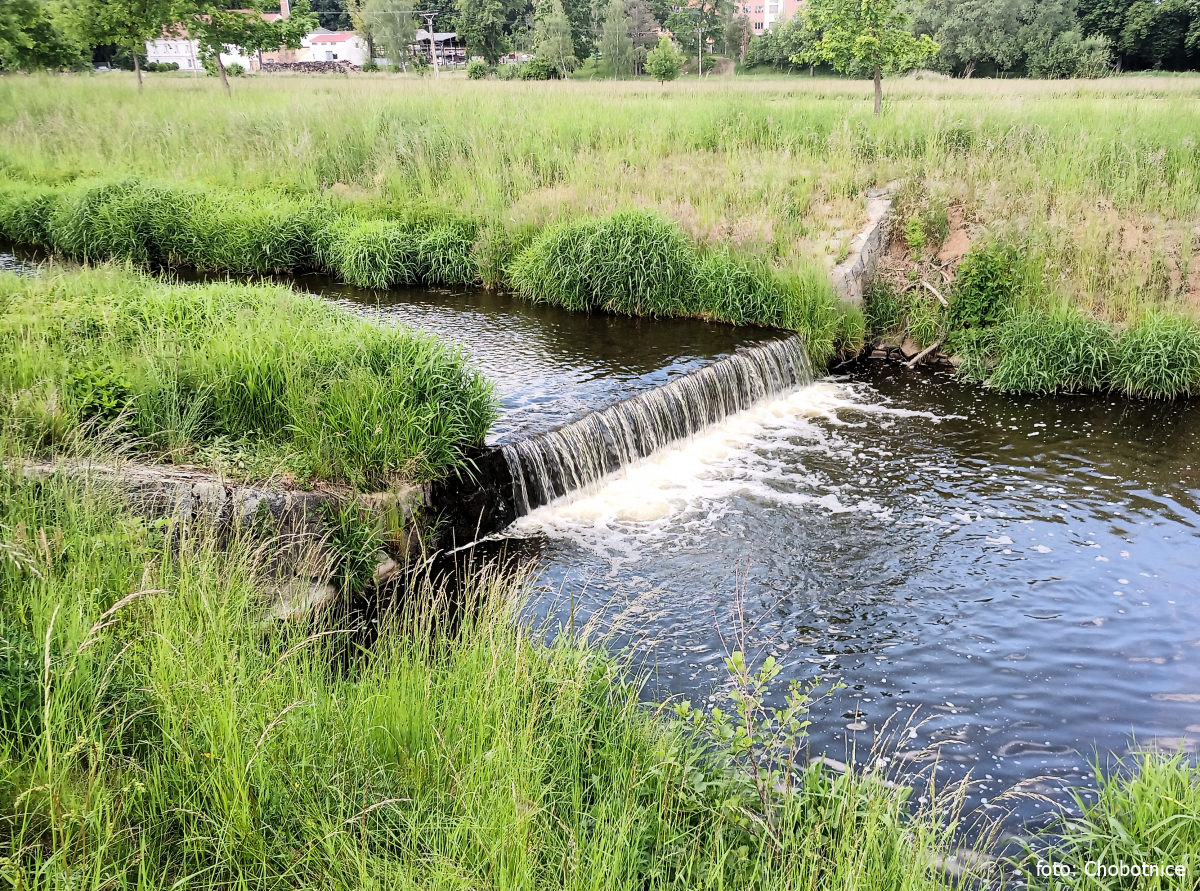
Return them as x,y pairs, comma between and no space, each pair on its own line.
579,453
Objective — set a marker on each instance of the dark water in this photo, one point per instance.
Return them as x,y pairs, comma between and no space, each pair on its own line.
1017,579
550,366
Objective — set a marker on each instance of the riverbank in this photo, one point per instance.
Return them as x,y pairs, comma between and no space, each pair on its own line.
255,382
759,183
154,734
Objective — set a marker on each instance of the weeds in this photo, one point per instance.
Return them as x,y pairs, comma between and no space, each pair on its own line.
1147,813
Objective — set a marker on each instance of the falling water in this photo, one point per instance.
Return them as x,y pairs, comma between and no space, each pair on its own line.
579,453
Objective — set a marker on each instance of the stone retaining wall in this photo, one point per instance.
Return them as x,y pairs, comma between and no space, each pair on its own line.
853,275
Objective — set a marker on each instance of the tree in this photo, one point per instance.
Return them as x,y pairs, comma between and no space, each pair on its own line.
1146,33
332,14
616,46
664,62
973,32
393,27
217,30
552,37
738,34
361,21
643,31
695,24
487,25
866,37
33,36
126,23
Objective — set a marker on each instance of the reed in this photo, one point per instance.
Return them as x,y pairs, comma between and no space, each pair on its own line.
254,380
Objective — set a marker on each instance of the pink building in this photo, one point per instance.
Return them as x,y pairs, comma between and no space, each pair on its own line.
765,13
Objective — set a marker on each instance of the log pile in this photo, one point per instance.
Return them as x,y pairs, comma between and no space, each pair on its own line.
334,67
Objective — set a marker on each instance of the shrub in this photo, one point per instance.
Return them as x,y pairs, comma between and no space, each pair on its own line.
539,69
477,69
370,66
633,262
235,69
507,72
988,282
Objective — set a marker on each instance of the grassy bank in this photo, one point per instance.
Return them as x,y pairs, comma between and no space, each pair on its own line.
632,262
154,736
1096,185
256,381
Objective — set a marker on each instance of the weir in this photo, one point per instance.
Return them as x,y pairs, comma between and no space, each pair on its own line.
583,451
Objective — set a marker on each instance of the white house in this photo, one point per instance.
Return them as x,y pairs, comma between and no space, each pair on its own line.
336,46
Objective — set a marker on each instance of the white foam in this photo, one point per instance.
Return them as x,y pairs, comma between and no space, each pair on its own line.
694,484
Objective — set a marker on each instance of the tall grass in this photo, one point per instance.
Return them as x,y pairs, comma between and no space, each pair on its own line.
257,380
1094,184
155,737
1147,813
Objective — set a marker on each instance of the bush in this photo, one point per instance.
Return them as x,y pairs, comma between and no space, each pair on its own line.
634,263
477,69
370,66
538,69
161,66
988,282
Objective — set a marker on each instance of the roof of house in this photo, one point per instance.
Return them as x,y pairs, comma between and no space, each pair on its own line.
334,37
438,36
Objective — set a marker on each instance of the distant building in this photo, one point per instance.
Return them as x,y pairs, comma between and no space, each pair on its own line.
765,13
176,45
334,46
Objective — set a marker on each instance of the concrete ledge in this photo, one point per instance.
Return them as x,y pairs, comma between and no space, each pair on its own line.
854,275
294,518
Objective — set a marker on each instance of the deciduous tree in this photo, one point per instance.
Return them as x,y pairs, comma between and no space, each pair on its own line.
665,61
866,37
487,25
127,23
616,46
393,26
552,37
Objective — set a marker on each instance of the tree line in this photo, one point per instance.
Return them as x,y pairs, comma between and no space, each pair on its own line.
1034,38
1030,38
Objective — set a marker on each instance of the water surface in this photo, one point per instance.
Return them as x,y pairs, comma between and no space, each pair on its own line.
1020,577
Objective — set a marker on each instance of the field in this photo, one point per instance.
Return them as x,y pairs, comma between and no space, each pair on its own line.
1089,189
